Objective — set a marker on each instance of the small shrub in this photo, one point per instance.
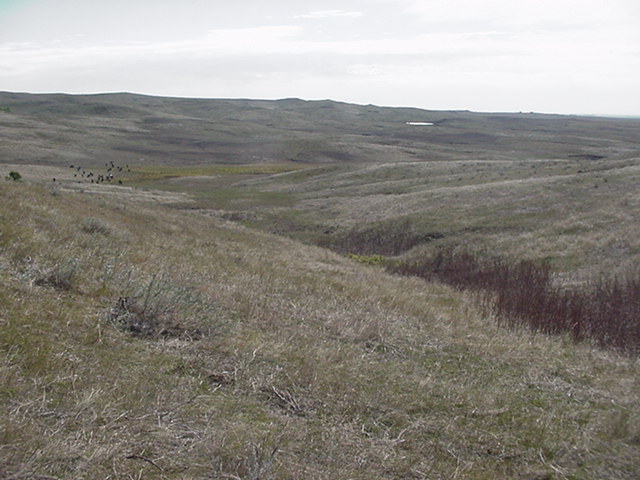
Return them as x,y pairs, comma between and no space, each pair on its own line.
61,277
15,176
95,225
614,312
162,308
368,260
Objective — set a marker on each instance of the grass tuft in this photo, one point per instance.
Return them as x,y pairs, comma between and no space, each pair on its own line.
161,307
95,225
62,276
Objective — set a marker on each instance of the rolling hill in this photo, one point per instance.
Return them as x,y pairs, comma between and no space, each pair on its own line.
231,309
92,129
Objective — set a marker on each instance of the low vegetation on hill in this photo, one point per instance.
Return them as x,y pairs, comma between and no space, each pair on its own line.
256,290
142,341
523,293
90,130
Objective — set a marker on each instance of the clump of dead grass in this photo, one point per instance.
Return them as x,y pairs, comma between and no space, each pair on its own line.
61,276
162,307
95,225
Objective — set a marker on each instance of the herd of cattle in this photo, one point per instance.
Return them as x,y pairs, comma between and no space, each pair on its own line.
109,176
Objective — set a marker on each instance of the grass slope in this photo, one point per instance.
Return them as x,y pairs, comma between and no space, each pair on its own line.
141,341
581,216
139,130
532,186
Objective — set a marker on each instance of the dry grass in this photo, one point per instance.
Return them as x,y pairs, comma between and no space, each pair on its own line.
306,364
153,174
142,341
582,217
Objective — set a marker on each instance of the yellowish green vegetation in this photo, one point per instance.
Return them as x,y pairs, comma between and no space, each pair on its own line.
138,340
209,185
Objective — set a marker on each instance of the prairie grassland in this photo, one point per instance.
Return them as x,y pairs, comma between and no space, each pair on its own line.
142,341
152,174
136,129
208,186
582,216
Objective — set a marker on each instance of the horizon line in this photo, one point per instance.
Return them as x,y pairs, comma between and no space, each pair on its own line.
187,97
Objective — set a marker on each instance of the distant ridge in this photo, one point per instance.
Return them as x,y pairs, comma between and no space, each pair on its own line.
185,131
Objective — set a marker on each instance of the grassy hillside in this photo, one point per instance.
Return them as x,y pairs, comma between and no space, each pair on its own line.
583,217
140,340
138,130
197,289
526,185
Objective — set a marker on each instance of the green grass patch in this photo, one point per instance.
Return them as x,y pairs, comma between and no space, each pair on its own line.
367,259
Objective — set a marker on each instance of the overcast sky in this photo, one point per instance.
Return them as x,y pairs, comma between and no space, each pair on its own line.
558,56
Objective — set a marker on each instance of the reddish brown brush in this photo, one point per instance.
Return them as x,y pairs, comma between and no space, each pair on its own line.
522,293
